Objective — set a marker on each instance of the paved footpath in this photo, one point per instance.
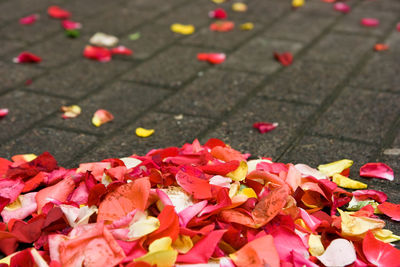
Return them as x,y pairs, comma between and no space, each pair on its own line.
339,99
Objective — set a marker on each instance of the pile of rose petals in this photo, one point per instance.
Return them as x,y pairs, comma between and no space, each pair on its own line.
189,205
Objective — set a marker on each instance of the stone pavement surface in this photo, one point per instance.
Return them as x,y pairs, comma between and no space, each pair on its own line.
339,99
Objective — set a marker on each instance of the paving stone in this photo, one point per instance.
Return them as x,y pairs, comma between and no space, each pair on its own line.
62,145
221,89
385,5
258,55
220,40
170,68
359,114
81,12
352,21
79,78
237,131
315,150
11,11
339,48
159,5
57,50
305,81
41,29
8,46
153,38
301,25
381,72
25,109
123,100
12,74
168,132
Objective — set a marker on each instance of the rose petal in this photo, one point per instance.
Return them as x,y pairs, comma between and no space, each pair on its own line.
370,194
391,210
102,39
58,13
340,252
381,47
71,111
358,226
142,132
121,50
187,214
182,29
28,20
342,7
335,167
3,112
248,26
239,7
101,117
285,59
213,58
70,25
346,182
370,22
218,13
265,127
222,26
378,252
297,3
24,206
27,57
97,53
377,170
199,188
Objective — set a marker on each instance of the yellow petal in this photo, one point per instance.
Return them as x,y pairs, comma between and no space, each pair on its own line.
7,260
335,167
248,26
141,132
24,157
15,205
240,173
160,253
386,235
234,189
346,182
143,227
358,226
183,244
248,192
161,244
239,7
71,111
218,1
297,3
315,245
182,29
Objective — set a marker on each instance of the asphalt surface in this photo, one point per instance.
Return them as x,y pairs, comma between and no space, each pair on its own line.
339,99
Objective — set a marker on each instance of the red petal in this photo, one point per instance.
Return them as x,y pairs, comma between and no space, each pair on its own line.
222,26
377,170
369,22
218,13
58,13
381,47
70,25
27,57
341,7
380,253
391,210
213,58
121,50
22,259
199,188
28,19
265,127
213,142
285,59
30,231
370,194
220,168
202,251
169,225
97,53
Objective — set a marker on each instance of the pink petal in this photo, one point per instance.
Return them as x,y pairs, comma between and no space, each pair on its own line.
187,214
299,260
370,194
377,170
3,112
29,19
369,22
27,57
311,221
11,188
340,252
341,7
378,252
70,25
28,206
391,210
164,197
101,116
265,127
286,241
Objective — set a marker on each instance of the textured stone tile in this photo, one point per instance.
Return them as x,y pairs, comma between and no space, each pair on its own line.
79,78
8,46
212,94
305,81
25,109
360,115
171,68
168,132
12,74
61,144
123,100
237,131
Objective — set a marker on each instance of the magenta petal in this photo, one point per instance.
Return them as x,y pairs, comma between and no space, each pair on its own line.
265,127
3,112
11,189
299,260
369,22
342,7
28,19
377,170
370,194
187,214
286,241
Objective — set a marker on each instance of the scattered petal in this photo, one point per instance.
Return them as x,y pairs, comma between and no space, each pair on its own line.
377,170
239,7
358,226
285,59
218,13
340,252
391,210
142,132
222,26
3,112
248,26
182,29
370,194
346,182
335,167
378,252
70,25
103,40
27,57
101,117
297,3
265,127
370,22
213,58
134,36
121,50
381,47
58,13
28,20
398,27
342,7
160,253
71,111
